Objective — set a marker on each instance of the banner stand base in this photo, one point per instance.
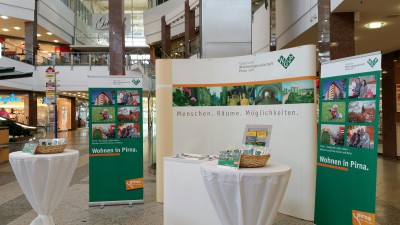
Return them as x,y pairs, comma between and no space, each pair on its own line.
127,202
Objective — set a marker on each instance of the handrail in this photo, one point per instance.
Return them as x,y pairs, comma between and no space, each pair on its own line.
72,59
24,55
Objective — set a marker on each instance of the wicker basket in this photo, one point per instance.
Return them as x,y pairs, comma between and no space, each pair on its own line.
253,161
50,149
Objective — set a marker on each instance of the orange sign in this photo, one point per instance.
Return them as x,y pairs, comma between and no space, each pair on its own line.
363,218
133,184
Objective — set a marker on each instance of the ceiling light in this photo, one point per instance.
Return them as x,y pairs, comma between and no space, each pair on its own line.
375,25
5,29
17,28
38,35
49,33
4,17
56,41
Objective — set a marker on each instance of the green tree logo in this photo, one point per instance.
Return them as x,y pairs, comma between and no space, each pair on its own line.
136,82
372,63
286,62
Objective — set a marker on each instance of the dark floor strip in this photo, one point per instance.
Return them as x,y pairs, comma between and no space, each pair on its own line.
13,209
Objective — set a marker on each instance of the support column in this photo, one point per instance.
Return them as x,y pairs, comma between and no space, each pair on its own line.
190,26
342,42
165,38
31,43
116,37
389,106
32,109
74,120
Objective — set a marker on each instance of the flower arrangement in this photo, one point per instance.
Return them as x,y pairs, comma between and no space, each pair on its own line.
183,97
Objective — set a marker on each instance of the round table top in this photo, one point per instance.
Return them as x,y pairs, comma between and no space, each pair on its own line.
272,168
23,155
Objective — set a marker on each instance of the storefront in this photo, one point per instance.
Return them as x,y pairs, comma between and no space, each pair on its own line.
15,106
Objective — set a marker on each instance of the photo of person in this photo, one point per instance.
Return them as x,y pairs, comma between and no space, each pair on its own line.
103,114
128,97
361,111
362,87
103,131
102,97
4,114
333,112
129,130
332,134
334,89
360,137
236,95
128,113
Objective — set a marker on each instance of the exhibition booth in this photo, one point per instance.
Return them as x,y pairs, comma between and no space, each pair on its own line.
206,107
239,139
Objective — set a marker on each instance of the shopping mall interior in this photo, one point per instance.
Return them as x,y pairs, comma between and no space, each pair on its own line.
53,52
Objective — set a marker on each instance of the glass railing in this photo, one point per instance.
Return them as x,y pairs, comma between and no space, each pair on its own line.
81,58
137,57
14,52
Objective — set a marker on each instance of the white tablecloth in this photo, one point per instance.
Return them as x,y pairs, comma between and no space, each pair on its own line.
248,196
44,179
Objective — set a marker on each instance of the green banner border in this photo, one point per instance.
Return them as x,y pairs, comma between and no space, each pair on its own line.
339,192
121,159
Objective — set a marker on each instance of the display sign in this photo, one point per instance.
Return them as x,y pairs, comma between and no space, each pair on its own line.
212,101
51,86
10,98
115,141
101,24
348,141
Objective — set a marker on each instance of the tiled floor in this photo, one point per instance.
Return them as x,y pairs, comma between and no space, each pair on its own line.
74,210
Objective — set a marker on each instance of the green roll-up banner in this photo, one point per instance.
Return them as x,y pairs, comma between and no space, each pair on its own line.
348,141
115,141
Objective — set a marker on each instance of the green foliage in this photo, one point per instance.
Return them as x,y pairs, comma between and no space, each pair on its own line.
183,97
295,98
97,116
326,114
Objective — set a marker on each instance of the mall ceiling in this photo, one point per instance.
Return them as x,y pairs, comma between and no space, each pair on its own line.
384,39
367,40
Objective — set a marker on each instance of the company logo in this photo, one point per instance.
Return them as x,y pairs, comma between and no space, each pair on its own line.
133,184
286,62
8,99
136,82
373,62
363,218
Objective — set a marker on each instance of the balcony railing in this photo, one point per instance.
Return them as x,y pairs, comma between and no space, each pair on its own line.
72,59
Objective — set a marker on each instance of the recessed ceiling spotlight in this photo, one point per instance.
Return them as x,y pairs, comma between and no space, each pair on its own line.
17,28
39,35
4,17
49,33
5,29
375,25
334,44
56,41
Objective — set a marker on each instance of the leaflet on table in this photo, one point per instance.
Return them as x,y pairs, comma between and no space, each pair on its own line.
29,147
229,159
258,135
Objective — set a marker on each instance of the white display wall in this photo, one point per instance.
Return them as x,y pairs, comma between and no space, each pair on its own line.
269,79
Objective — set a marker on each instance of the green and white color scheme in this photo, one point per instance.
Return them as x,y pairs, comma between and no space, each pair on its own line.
211,101
115,141
348,141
